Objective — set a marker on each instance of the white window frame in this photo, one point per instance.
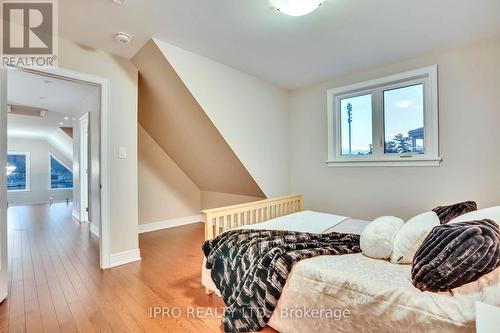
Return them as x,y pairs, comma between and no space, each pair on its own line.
28,171
426,76
50,175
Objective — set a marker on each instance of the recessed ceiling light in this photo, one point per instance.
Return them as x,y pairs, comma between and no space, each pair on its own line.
297,7
61,123
120,2
122,37
66,118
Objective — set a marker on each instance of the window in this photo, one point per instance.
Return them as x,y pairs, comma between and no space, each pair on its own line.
389,121
61,176
18,168
356,141
404,120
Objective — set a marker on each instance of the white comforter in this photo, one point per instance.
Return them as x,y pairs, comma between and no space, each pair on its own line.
366,295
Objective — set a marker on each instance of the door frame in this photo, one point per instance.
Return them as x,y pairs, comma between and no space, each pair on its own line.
103,83
84,168
4,259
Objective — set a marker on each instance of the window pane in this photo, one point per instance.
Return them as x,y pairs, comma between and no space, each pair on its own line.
404,120
60,176
356,125
16,172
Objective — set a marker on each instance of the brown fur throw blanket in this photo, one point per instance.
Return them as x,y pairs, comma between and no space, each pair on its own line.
455,254
448,213
250,269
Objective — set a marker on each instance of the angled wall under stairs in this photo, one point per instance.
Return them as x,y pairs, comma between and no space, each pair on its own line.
175,120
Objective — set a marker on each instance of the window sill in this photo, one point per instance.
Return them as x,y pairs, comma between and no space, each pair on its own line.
60,189
407,162
18,191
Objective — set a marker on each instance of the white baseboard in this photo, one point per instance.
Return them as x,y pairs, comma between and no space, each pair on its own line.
125,257
169,223
94,229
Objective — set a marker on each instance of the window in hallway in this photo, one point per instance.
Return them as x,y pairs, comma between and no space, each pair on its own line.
18,171
61,176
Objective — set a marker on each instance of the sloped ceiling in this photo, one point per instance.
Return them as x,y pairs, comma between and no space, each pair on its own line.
173,118
251,115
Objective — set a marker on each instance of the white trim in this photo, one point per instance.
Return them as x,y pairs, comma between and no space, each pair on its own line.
104,240
171,223
427,162
28,170
426,76
126,257
83,165
4,262
94,229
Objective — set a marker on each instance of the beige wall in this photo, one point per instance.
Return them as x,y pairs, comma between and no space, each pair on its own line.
39,192
217,199
251,115
122,76
165,192
469,112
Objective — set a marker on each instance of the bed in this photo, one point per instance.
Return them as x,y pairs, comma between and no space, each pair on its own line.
368,295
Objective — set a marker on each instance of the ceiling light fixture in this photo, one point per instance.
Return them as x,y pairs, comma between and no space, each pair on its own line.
120,2
61,123
122,37
66,118
297,7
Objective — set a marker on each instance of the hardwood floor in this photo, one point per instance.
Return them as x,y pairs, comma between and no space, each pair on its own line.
56,285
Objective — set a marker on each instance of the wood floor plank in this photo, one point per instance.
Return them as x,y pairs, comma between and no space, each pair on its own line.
82,320
56,284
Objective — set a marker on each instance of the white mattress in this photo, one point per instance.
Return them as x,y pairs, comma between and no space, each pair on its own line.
378,295
305,221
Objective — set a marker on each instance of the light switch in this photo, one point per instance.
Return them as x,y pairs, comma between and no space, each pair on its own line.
122,153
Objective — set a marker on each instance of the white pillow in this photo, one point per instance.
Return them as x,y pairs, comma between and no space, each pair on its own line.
377,238
411,236
492,213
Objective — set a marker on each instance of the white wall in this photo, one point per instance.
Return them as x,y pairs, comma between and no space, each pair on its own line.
469,111
122,76
251,115
39,192
62,142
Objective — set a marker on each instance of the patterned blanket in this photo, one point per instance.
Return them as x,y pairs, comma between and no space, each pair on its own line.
250,269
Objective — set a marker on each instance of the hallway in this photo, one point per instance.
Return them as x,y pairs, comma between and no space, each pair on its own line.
56,285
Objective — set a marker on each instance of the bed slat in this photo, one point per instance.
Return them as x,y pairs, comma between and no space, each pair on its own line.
219,219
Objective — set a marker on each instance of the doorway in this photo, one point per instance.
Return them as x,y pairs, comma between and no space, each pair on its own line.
90,173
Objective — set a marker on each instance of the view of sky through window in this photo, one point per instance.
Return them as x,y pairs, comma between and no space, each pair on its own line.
404,120
356,125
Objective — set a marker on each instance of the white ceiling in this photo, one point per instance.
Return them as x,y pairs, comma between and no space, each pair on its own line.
339,37
59,98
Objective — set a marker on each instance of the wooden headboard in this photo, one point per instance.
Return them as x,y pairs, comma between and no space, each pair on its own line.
219,219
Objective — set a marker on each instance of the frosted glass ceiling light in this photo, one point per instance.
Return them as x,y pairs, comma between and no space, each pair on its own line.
297,7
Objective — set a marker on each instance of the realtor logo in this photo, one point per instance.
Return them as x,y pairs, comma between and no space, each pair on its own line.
29,33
